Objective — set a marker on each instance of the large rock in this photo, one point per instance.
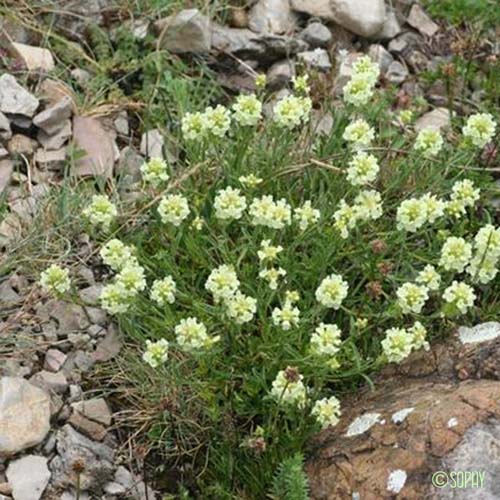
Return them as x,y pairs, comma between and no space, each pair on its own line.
95,459
271,16
24,415
438,411
28,477
15,99
186,31
98,145
363,17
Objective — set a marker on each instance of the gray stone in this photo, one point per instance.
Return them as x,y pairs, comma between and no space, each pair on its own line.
81,76
280,74
316,35
5,130
52,382
94,409
396,73
52,119
152,143
437,119
405,42
54,359
6,170
322,123
89,428
109,347
381,56
96,458
121,124
90,295
271,16
391,27
58,139
419,20
98,145
34,58
21,145
417,61
113,488
317,59
128,168
363,17
24,415
186,31
478,451
16,99
28,477
51,160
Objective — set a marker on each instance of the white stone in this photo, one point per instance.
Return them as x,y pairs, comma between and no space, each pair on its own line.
34,58
437,119
15,99
24,415
400,416
453,422
271,16
479,333
28,477
396,481
362,423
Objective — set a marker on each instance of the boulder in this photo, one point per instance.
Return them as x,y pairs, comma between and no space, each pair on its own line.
186,31
272,16
437,411
15,99
24,415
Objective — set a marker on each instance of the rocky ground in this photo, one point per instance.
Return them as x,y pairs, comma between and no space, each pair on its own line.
58,437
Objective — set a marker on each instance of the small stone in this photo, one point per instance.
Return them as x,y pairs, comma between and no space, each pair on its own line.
419,20
396,73
90,295
417,61
83,361
52,119
34,58
24,415
152,143
52,91
128,168
51,160
6,170
91,429
437,119
109,347
81,76
316,35
113,488
94,409
21,145
316,59
5,130
186,31
52,382
381,56
121,124
28,477
271,16
322,123
98,145
280,74
57,140
391,27
54,359
15,99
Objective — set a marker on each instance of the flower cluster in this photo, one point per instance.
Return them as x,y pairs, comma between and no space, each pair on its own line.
191,335
265,211
116,254
163,291
306,215
291,111
359,89
363,169
247,110
332,291
400,342
222,283
484,264
327,411
156,353
155,171
55,279
455,254
479,129
101,212
412,298
429,142
229,204
460,296
287,316
413,213
288,388
359,133
173,209
213,122
326,340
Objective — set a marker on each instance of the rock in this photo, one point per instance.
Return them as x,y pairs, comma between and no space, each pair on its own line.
438,119
5,130
10,229
81,76
316,35
186,31
128,169
52,119
57,140
271,16
391,27
322,123
51,382
437,411
381,56
94,409
34,58
152,143
24,415
90,295
405,42
15,99
363,17
91,429
396,73
133,484
247,45
419,20
113,488
109,347
70,317
98,144
121,124
53,91
417,61
280,74
54,359
480,333
6,170
28,477
317,59
96,459
21,145
51,160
